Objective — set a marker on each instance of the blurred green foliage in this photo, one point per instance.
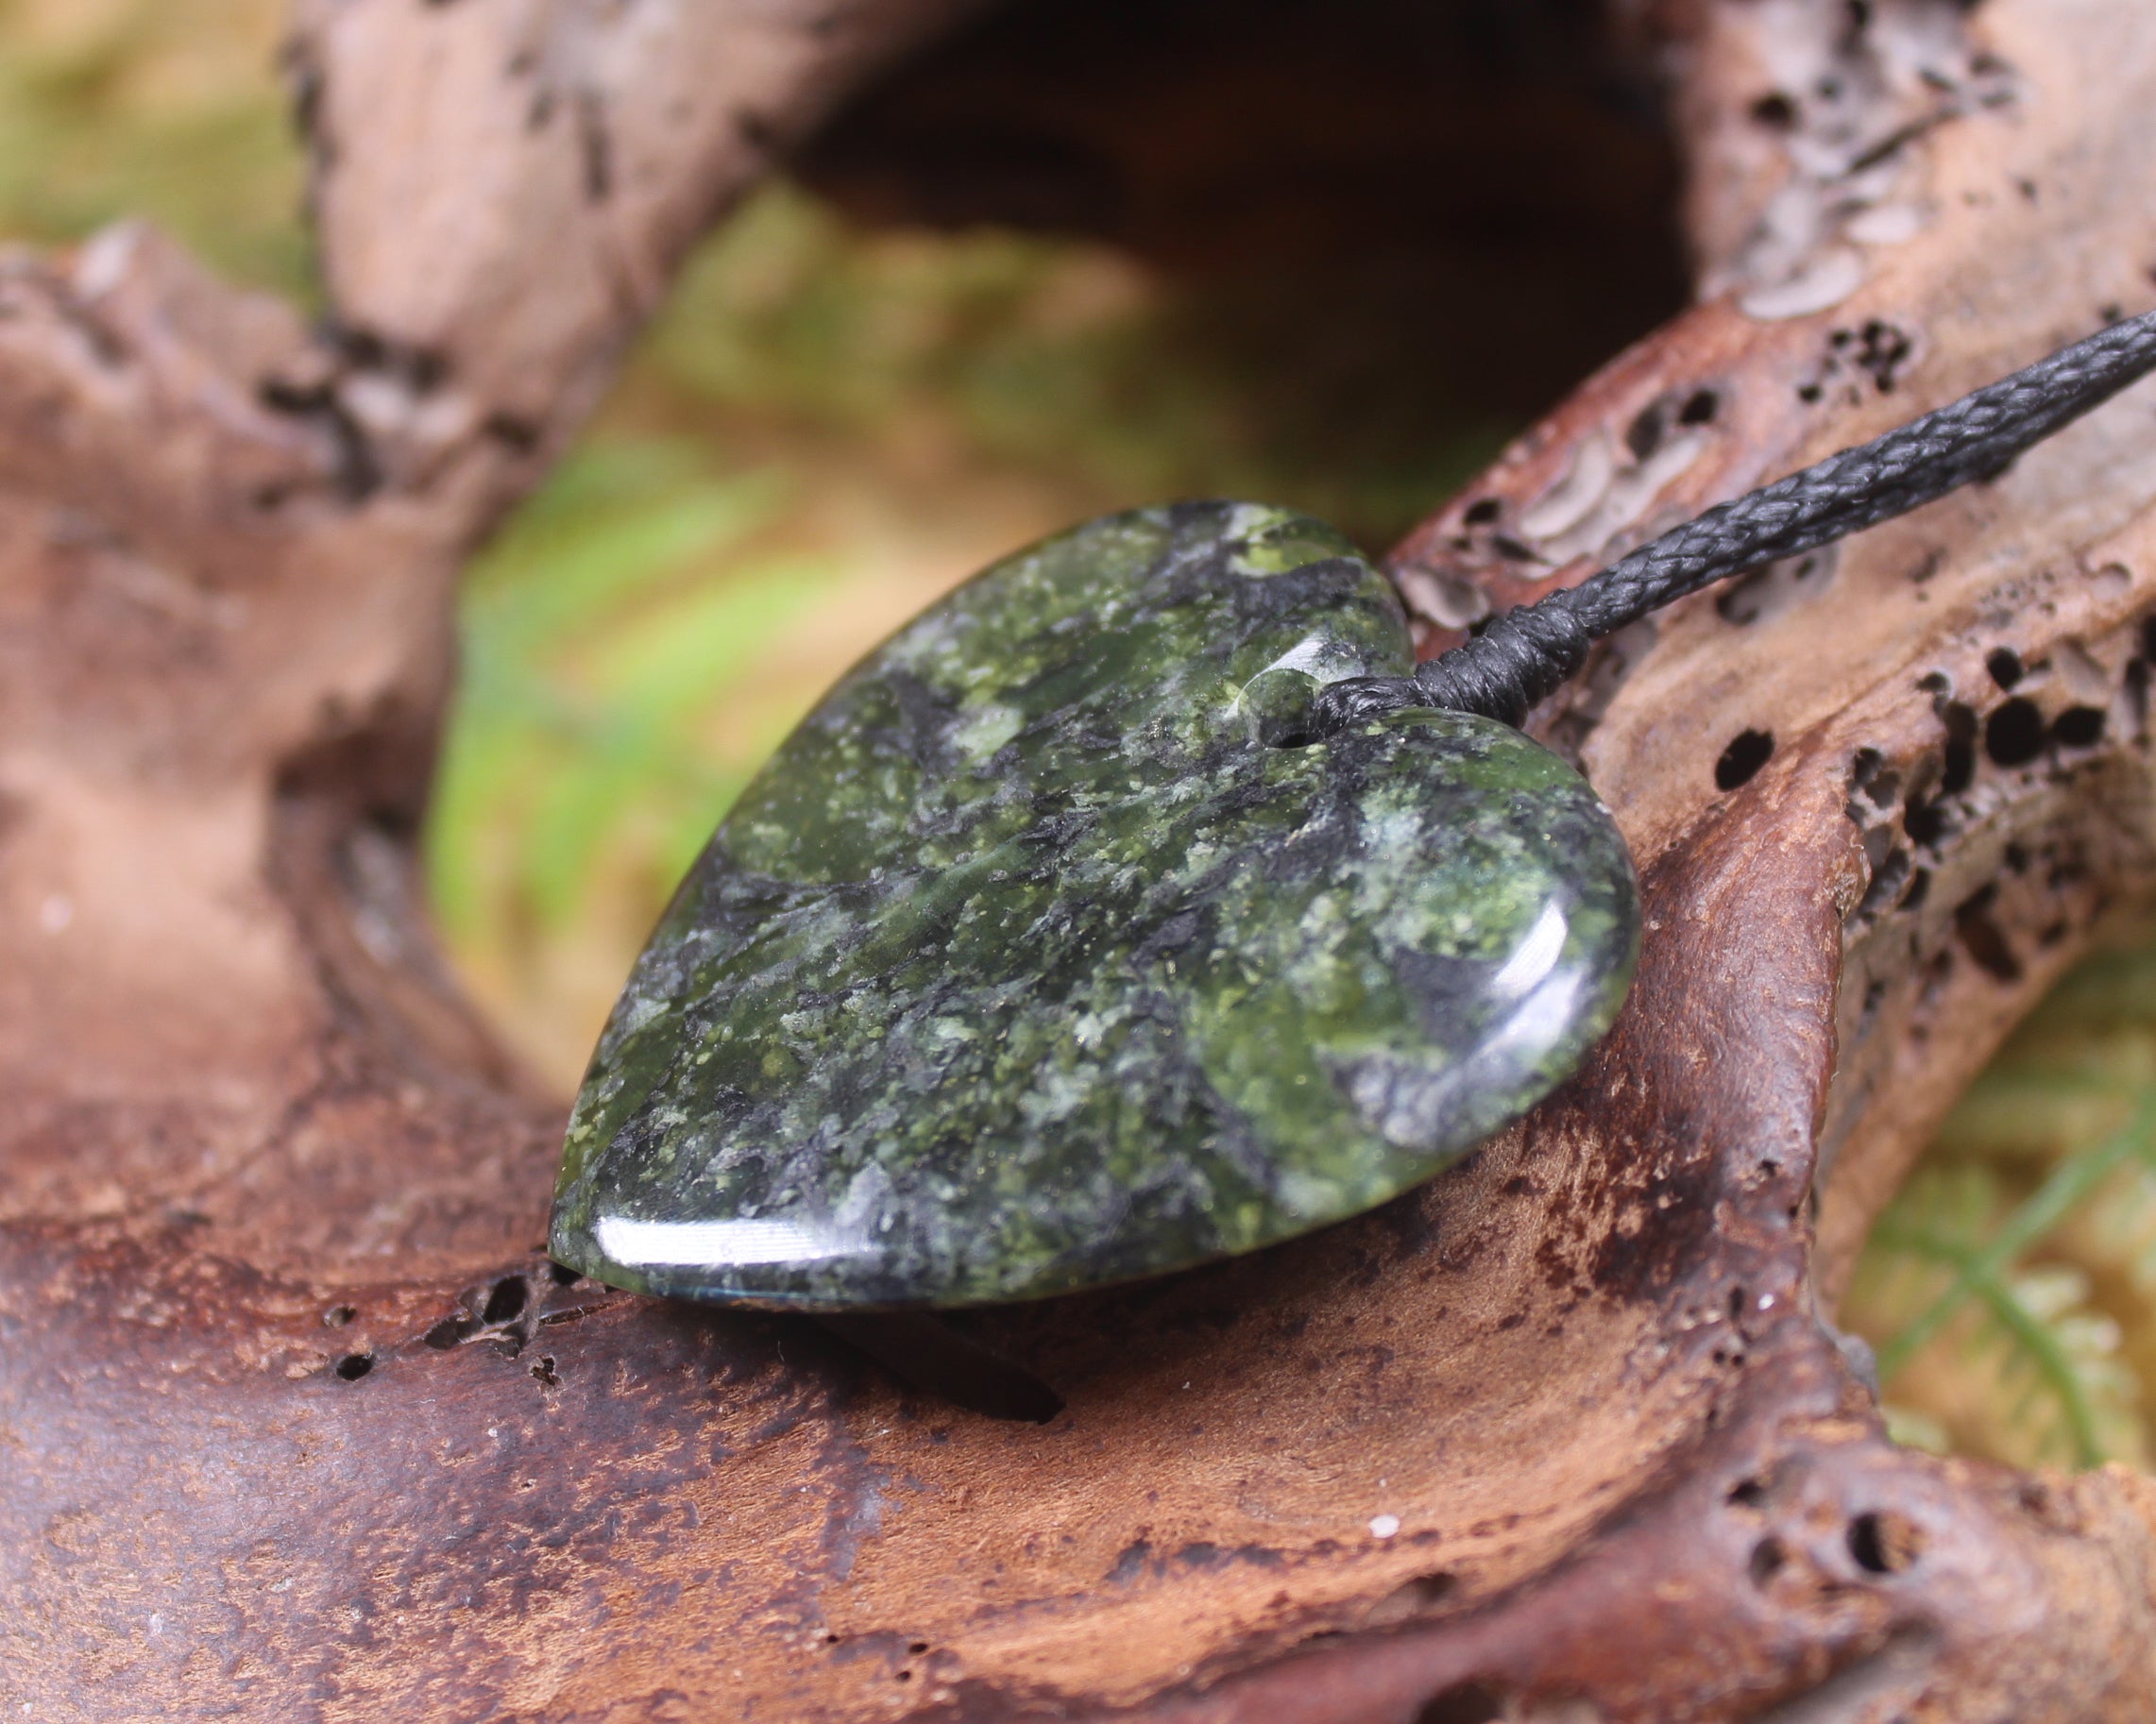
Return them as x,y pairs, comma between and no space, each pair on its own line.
166,108
1063,358
828,427
586,657
2011,1286
818,410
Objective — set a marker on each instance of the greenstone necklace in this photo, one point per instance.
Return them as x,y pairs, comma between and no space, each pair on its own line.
1142,902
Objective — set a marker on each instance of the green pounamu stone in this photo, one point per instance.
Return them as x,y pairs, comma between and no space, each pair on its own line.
1050,952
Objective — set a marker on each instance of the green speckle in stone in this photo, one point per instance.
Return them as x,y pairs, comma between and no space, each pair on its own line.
1049,952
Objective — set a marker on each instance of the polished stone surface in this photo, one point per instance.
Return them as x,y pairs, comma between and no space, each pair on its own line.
1049,952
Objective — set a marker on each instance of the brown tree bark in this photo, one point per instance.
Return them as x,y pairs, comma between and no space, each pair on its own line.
295,1421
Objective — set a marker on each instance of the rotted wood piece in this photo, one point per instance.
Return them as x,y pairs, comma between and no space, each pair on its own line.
299,1424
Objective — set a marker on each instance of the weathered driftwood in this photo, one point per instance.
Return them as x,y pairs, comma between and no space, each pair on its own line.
295,1422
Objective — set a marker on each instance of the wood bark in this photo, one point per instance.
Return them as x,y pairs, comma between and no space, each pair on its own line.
296,1420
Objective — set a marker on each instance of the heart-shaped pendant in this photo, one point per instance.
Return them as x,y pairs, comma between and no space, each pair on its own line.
1051,951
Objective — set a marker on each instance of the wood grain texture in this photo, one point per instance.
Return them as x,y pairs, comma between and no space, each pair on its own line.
297,1422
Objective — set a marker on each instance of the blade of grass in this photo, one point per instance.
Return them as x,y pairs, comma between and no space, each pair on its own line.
1976,1274
2071,1182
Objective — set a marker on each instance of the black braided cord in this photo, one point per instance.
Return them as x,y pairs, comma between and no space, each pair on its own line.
1529,652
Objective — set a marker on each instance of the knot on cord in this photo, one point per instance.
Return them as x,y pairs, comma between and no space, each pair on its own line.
1500,673
1526,654
1521,657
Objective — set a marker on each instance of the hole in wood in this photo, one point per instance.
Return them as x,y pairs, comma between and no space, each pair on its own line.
1746,754
1983,936
1883,1542
2013,736
1463,1704
2078,727
1700,408
1412,1598
505,1303
1957,763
